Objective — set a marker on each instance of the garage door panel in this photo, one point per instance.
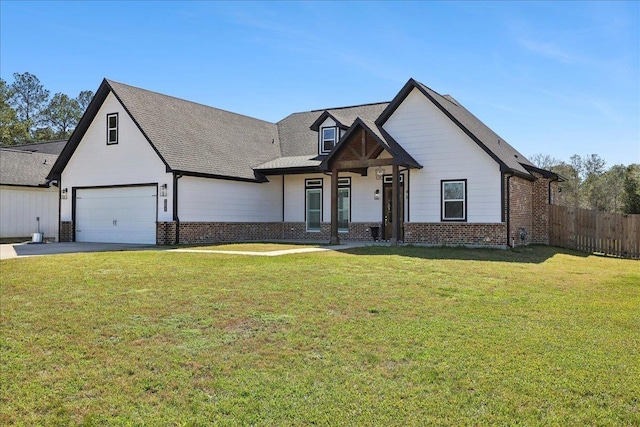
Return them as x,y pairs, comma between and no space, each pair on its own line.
116,215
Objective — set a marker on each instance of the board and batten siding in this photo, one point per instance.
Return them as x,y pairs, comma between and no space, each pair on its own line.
20,208
217,200
446,153
131,161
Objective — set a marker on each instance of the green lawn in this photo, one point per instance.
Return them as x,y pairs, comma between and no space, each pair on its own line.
373,336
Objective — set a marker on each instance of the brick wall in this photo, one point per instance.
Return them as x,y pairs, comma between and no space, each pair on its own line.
358,231
456,233
66,231
540,210
165,233
529,202
520,204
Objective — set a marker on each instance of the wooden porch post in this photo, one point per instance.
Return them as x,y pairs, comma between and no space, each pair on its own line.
335,240
395,204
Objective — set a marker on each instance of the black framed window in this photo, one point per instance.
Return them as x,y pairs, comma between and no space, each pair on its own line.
344,204
328,139
454,200
112,128
313,204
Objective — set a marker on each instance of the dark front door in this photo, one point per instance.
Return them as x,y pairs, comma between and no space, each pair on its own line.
387,211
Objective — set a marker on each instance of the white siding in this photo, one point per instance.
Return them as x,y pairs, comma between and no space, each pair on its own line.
131,161
20,206
364,208
204,200
446,153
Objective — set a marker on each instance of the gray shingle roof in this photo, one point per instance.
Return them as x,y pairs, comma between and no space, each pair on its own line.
18,167
308,161
197,138
46,147
296,139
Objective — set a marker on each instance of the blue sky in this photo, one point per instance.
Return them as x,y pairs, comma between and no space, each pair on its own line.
549,77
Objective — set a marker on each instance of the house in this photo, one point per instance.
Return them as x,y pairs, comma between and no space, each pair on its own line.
142,167
28,201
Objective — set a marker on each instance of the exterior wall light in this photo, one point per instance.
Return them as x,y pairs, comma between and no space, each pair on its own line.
379,173
163,190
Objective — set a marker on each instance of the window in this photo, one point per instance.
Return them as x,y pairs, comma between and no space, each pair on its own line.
327,140
344,204
112,128
454,200
313,204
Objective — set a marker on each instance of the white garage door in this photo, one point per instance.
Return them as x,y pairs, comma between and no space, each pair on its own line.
116,215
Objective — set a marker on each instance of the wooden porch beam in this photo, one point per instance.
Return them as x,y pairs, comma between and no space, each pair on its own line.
359,164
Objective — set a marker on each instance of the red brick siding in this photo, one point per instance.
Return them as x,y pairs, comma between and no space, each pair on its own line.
458,233
66,231
520,205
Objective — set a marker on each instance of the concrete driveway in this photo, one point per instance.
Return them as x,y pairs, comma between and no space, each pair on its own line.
16,250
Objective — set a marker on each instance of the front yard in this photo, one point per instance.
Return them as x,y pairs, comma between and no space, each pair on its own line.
371,336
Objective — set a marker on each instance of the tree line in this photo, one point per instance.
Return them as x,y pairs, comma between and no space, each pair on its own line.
588,184
28,113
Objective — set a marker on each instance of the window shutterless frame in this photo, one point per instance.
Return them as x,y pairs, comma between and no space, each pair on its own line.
328,139
453,196
344,204
313,204
112,128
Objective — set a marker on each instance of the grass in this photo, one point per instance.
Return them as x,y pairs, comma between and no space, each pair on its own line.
373,336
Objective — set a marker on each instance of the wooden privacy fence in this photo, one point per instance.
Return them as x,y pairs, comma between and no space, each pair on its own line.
595,231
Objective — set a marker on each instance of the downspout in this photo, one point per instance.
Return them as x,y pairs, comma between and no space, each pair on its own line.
550,181
509,209
176,218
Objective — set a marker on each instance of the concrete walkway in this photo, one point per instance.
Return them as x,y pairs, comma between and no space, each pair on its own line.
17,250
277,253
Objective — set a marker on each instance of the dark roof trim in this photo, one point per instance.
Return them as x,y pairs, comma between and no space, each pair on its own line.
291,170
545,173
259,178
399,155
47,185
82,127
402,95
316,125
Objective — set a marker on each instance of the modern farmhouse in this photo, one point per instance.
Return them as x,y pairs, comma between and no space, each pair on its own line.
142,167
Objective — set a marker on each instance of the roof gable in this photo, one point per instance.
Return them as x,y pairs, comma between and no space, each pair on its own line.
509,159
189,138
374,141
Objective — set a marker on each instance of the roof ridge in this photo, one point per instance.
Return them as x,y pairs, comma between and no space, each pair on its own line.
188,101
344,108
38,143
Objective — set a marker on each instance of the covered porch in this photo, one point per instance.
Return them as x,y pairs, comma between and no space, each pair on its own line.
366,147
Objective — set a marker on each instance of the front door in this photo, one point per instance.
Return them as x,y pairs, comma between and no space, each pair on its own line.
387,211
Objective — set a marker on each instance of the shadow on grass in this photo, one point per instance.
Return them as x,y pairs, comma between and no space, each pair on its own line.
533,254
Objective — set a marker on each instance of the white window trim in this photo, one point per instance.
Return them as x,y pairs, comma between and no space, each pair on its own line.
109,129
463,200
322,139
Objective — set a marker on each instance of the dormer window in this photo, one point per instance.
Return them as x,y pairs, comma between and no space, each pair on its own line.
328,140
